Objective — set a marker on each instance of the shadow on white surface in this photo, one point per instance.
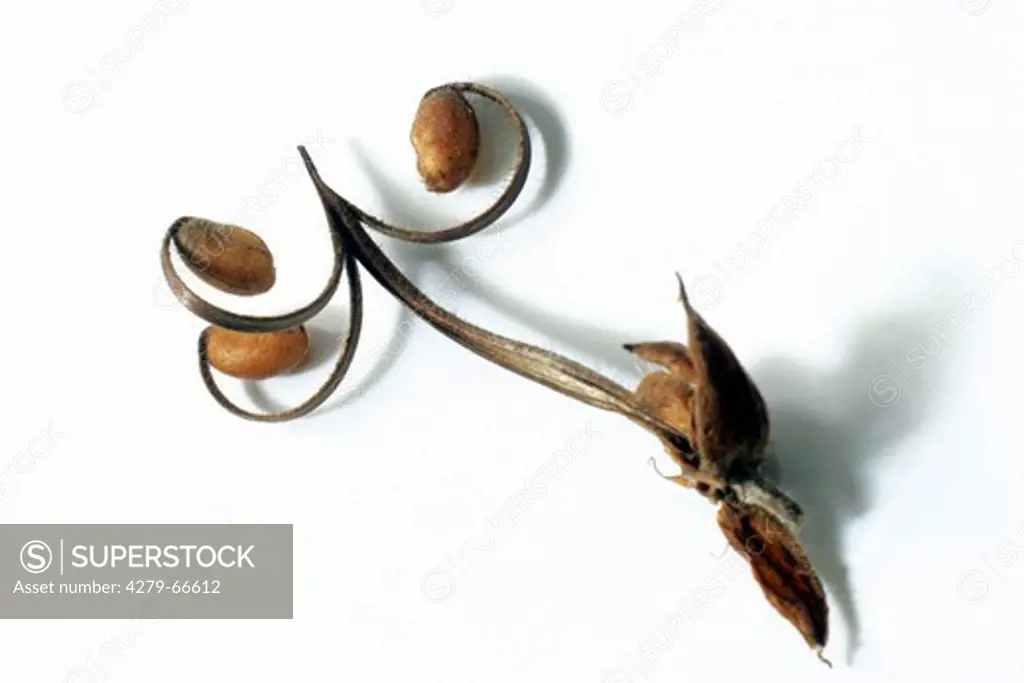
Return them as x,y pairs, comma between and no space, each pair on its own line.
830,427
539,110
829,434
326,336
497,144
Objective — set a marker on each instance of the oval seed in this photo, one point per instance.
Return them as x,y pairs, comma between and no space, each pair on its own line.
255,355
228,257
446,137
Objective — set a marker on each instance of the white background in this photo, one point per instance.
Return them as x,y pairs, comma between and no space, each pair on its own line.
882,323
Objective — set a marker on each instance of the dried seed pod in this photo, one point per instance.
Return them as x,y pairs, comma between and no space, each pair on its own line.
446,137
228,257
729,413
781,568
255,355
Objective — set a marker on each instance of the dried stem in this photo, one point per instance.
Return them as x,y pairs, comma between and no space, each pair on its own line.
352,243
544,367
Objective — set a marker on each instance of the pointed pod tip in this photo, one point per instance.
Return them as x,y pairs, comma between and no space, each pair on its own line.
682,291
306,159
818,651
629,347
314,174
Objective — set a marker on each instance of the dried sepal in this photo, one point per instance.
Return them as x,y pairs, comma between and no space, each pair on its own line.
781,568
667,396
730,417
668,354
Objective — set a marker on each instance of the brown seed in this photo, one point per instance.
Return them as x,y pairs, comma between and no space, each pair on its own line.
228,257
255,355
446,137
